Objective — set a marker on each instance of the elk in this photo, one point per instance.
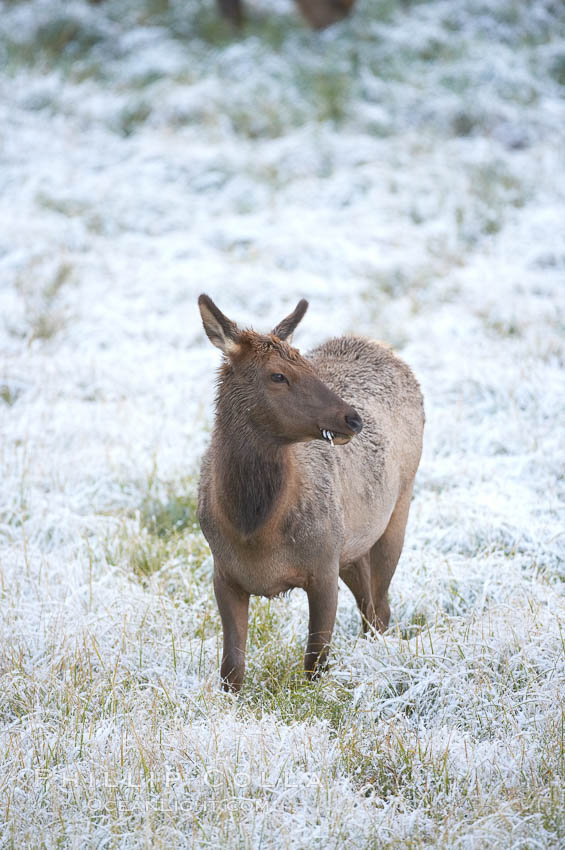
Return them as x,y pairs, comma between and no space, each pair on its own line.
299,487
319,13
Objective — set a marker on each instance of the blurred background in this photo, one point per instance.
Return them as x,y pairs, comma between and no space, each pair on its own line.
402,169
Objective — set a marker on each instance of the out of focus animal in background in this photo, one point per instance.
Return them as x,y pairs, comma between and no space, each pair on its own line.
319,13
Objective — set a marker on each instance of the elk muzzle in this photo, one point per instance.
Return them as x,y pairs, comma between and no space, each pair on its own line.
353,425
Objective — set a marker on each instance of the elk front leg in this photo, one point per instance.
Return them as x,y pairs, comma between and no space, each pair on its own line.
234,608
322,601
357,576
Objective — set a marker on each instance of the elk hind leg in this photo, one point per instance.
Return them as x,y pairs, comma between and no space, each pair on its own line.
384,556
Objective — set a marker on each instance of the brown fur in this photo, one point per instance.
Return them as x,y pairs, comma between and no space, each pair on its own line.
279,506
319,13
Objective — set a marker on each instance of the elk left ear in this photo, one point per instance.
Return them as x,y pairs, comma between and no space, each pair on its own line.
286,328
221,331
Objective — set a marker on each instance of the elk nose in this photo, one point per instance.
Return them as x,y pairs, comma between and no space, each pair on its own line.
354,421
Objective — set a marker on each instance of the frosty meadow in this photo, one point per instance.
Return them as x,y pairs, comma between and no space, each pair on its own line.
403,171
281,510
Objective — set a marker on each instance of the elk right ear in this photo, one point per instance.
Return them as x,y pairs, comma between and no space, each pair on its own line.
286,328
221,331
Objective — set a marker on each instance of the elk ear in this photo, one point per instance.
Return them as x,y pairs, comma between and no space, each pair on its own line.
286,328
221,331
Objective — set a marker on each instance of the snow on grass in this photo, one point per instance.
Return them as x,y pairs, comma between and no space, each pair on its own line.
403,171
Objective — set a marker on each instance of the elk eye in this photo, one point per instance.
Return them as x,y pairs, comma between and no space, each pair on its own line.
278,378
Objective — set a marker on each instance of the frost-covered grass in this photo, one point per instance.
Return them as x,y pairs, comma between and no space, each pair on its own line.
403,171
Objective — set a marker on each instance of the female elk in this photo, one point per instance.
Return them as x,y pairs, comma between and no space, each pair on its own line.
278,504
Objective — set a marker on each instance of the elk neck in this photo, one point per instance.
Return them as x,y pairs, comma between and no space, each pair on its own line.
253,472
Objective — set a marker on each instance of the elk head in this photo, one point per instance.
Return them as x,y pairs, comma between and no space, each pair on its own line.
267,385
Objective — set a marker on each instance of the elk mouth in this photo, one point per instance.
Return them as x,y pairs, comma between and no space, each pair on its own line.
334,437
